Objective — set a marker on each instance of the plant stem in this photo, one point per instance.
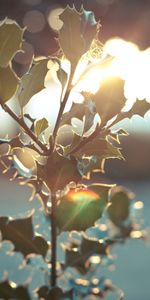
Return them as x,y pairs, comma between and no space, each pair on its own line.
62,107
53,241
23,125
86,140
98,131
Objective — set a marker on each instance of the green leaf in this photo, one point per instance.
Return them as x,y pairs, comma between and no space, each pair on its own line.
33,82
52,294
25,161
77,33
79,209
7,291
76,260
65,136
70,38
75,141
40,126
100,147
109,100
89,27
91,247
8,84
140,107
58,171
20,233
11,41
90,113
77,111
118,209
62,76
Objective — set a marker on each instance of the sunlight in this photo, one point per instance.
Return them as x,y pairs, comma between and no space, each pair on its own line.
119,58
126,62
82,196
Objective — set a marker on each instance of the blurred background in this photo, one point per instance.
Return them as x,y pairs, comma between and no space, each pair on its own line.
128,20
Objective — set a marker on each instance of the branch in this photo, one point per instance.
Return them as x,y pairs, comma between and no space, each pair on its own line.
53,241
86,140
98,131
23,125
62,107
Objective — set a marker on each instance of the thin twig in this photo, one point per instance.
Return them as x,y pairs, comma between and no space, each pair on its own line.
98,131
53,241
23,125
84,141
62,107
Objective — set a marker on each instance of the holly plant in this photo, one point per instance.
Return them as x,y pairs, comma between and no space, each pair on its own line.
58,249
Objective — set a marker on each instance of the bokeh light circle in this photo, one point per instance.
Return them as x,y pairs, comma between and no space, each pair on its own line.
34,21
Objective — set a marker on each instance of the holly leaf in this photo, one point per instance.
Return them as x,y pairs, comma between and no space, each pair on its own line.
40,126
62,76
77,111
14,142
58,171
24,161
89,27
52,294
75,260
33,82
20,233
91,247
140,107
109,100
8,90
100,147
11,41
70,38
75,141
79,209
118,209
65,136
89,115
7,291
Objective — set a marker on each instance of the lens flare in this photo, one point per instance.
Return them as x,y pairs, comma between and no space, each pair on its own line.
82,196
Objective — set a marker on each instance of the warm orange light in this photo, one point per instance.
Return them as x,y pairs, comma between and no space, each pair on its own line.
82,196
128,63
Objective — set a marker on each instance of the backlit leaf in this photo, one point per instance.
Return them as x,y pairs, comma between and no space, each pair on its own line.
79,209
140,107
58,171
11,41
91,246
70,35
8,84
62,76
20,233
109,100
33,82
89,27
40,126
65,136
24,160
100,147
118,209
77,111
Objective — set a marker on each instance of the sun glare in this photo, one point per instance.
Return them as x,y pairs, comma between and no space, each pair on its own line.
119,58
126,62
82,196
